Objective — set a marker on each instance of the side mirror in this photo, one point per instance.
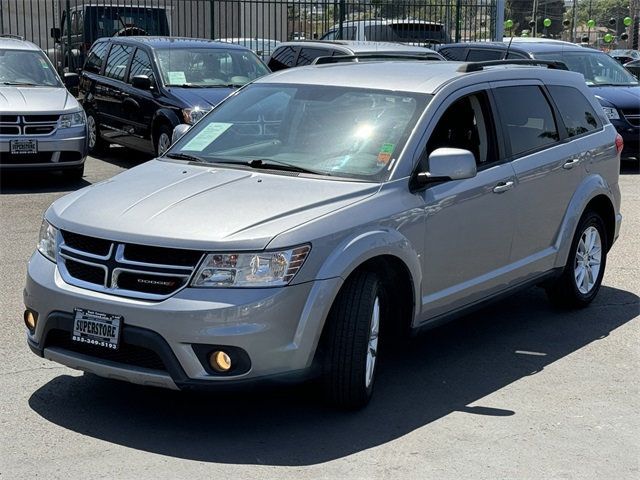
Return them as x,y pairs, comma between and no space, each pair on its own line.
447,164
179,131
55,33
142,82
71,80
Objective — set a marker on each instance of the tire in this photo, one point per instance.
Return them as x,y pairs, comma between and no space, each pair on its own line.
351,336
162,139
578,285
74,174
95,142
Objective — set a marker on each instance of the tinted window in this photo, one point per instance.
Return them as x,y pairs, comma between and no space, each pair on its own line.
597,68
576,111
482,54
418,32
454,54
117,61
380,33
527,118
282,58
348,33
516,55
308,55
467,124
96,56
141,65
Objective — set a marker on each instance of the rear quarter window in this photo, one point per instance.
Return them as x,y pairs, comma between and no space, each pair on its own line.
96,57
282,58
308,55
576,111
454,54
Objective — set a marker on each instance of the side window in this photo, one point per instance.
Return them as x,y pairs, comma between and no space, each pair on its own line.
308,55
95,59
348,33
141,65
467,124
483,54
576,111
74,23
517,55
117,61
454,54
282,58
527,118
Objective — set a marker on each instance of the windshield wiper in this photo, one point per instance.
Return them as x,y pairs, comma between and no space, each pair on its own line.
270,164
22,84
185,156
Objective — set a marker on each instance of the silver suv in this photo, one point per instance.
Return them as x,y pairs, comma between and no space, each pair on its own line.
42,126
321,211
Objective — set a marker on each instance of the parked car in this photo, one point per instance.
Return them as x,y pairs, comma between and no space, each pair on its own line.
617,90
42,126
83,24
634,68
136,90
263,47
625,56
301,53
321,211
414,32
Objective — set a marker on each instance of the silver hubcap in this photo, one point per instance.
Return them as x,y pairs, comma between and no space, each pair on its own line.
372,347
163,143
588,260
91,126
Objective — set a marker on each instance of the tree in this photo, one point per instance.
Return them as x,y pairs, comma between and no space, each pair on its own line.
522,12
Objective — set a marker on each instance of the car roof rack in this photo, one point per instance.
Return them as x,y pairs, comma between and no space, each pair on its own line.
478,66
11,35
374,56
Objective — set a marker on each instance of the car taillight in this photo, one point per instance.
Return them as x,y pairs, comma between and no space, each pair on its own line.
619,143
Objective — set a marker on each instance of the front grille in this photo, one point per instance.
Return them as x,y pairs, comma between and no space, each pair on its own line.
86,273
9,130
28,125
41,118
38,129
127,354
632,116
8,118
125,269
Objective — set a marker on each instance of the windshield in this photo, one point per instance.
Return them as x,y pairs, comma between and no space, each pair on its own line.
28,68
597,68
208,67
337,131
110,20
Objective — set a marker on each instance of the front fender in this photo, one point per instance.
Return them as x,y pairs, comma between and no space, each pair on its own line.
362,246
166,115
592,186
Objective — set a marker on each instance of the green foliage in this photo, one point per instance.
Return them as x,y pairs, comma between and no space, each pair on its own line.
521,12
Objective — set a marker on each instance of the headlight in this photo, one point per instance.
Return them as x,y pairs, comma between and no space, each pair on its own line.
611,113
192,115
48,241
263,269
76,119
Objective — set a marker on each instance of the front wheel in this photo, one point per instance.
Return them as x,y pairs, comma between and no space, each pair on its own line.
353,331
95,142
163,139
582,276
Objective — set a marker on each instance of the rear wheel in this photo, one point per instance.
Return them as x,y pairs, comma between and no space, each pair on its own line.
582,276
352,337
95,143
163,139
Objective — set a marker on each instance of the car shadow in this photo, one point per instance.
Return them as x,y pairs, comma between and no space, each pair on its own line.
446,370
122,157
630,167
12,183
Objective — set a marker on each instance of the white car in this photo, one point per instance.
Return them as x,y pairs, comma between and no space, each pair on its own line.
415,32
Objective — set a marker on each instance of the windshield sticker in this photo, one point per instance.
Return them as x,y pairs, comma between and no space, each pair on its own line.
177,78
43,63
385,153
206,136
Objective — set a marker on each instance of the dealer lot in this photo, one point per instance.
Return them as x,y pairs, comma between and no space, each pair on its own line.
515,390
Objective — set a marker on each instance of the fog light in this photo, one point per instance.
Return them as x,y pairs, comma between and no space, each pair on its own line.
220,361
30,319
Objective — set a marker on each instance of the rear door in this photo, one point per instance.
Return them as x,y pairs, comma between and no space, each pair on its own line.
548,162
469,223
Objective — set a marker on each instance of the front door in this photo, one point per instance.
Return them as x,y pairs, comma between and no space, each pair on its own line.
469,223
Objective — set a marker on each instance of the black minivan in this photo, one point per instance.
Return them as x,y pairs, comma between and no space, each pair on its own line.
136,90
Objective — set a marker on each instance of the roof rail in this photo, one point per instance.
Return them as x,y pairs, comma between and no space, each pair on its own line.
374,56
478,66
10,35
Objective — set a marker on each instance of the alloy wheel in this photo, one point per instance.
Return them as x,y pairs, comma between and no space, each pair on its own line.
588,260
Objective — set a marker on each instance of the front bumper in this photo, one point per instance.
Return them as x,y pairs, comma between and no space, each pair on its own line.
64,148
278,328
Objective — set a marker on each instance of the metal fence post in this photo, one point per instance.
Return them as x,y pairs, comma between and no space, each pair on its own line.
458,7
69,49
211,19
500,4
342,17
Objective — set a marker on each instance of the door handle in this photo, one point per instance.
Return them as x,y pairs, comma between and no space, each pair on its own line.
503,187
571,163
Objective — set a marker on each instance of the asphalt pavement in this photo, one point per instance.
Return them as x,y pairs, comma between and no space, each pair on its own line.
516,390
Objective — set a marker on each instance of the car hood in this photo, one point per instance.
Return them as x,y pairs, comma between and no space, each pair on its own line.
620,97
36,100
181,205
201,97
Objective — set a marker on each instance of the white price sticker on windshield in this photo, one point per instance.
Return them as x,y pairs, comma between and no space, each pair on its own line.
177,78
206,136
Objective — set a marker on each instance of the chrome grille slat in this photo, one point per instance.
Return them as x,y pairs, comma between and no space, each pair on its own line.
28,125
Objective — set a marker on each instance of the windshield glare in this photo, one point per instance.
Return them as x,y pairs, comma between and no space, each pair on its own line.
338,131
26,67
207,67
597,68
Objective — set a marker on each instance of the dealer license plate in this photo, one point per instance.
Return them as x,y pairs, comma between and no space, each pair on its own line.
23,147
95,328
